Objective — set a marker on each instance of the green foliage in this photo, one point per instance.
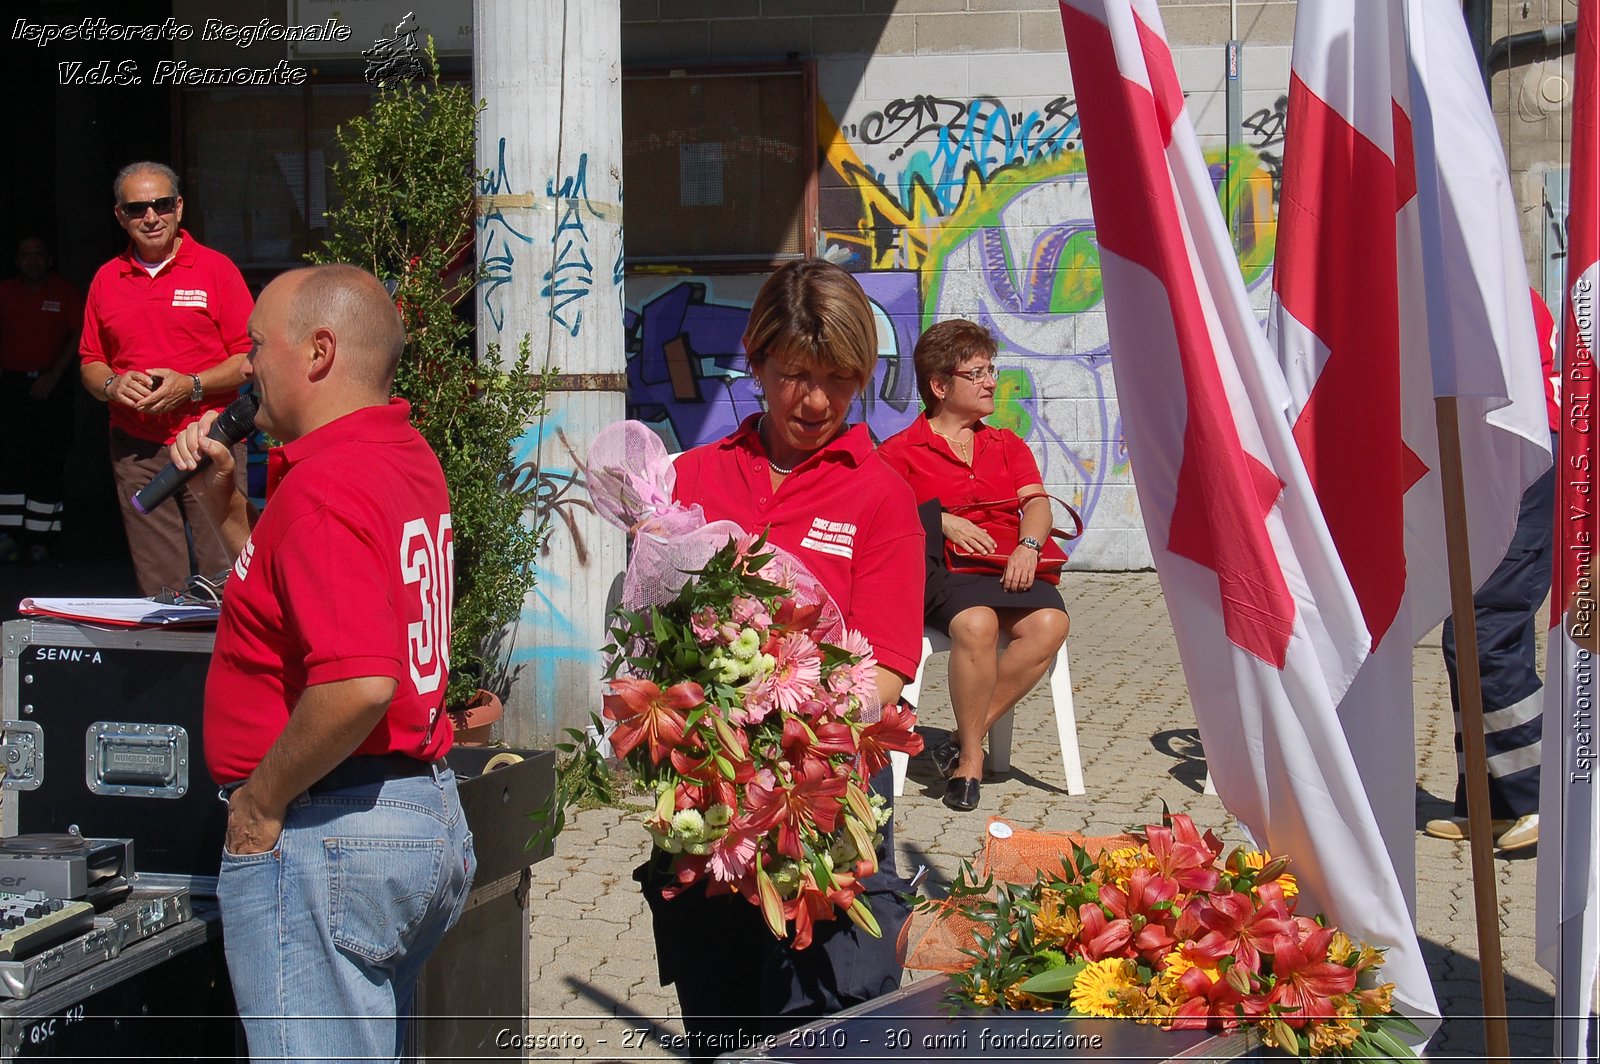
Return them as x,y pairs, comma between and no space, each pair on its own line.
583,779
408,184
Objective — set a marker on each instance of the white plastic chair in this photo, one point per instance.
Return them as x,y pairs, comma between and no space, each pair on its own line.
1060,675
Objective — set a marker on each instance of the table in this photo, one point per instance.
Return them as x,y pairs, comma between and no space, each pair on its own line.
915,1024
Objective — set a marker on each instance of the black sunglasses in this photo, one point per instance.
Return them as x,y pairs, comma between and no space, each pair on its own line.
137,208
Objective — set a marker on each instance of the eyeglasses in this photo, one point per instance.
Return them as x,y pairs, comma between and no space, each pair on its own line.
137,208
978,376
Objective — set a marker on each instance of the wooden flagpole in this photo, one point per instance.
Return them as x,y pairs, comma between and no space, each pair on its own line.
1486,906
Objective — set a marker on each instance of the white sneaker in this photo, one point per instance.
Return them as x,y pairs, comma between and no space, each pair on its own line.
1454,828
1521,835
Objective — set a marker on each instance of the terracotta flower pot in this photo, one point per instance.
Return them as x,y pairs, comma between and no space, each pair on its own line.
474,721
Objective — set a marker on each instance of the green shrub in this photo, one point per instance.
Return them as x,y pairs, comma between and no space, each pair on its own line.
407,183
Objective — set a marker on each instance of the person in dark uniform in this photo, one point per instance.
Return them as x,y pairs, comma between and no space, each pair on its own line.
40,316
950,457
1505,608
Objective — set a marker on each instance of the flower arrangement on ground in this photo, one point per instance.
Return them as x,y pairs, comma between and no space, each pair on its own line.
1167,932
753,716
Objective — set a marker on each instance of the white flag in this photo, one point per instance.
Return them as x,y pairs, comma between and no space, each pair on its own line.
1267,624
1399,277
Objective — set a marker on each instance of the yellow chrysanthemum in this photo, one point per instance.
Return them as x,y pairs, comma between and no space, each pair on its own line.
1056,922
1257,860
1333,1038
1098,990
983,995
1120,863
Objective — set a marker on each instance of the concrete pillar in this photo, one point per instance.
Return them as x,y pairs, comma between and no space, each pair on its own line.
550,231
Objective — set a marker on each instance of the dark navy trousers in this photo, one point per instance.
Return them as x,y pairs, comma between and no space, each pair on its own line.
1513,698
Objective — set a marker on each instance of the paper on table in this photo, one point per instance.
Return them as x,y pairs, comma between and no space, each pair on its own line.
125,612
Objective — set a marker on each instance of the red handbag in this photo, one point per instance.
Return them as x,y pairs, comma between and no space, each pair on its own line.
1002,519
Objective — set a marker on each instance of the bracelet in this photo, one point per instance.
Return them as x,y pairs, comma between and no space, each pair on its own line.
105,387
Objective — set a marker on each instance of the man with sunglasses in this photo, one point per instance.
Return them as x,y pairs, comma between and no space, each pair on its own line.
164,340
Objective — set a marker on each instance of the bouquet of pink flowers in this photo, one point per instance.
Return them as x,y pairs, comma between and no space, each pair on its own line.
742,702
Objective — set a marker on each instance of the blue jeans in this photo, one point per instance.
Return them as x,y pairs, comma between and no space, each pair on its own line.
326,932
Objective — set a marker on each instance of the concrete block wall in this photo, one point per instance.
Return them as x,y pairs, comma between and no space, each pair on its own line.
953,186
1533,102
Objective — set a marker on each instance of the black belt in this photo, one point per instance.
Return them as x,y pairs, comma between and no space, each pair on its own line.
368,769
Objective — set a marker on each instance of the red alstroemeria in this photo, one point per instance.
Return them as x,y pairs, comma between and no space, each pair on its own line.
687,870
894,731
811,905
1151,937
811,798
1102,936
646,714
791,616
819,740
1306,978
1184,855
1210,1003
1236,926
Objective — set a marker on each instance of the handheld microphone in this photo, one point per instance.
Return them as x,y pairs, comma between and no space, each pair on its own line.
231,426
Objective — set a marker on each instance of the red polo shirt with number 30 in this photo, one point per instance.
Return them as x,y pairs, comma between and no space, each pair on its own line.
347,574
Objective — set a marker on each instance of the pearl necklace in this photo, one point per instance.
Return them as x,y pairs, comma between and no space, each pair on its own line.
761,423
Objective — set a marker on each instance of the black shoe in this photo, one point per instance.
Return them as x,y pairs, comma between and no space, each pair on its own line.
944,758
962,793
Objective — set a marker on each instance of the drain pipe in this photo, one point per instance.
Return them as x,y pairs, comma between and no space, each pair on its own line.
1493,57
1499,53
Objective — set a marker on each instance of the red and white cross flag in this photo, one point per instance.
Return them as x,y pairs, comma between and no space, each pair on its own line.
1399,277
1268,627
1566,931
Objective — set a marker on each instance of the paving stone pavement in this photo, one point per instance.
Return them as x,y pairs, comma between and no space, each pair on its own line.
593,968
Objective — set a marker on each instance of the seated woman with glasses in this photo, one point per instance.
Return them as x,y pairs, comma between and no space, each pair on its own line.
952,459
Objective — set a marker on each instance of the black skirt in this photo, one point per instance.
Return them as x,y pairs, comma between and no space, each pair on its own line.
737,983
946,594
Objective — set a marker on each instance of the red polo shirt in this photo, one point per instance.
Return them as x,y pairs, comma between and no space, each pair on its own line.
842,512
1002,465
344,576
35,322
187,318
1544,328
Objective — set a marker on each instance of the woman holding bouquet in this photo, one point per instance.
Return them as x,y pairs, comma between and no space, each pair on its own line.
815,484
950,458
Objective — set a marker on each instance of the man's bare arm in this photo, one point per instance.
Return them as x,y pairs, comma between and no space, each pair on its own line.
328,723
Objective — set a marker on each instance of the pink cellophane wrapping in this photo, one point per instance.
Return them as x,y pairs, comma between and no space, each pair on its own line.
630,482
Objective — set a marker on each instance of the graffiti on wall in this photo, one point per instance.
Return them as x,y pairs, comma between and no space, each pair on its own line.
569,278
551,478
1263,132
946,208
499,242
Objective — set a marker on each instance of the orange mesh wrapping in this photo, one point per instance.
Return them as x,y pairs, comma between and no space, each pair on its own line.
1015,855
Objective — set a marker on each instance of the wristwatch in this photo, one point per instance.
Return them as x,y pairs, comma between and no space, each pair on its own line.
1029,541
199,391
